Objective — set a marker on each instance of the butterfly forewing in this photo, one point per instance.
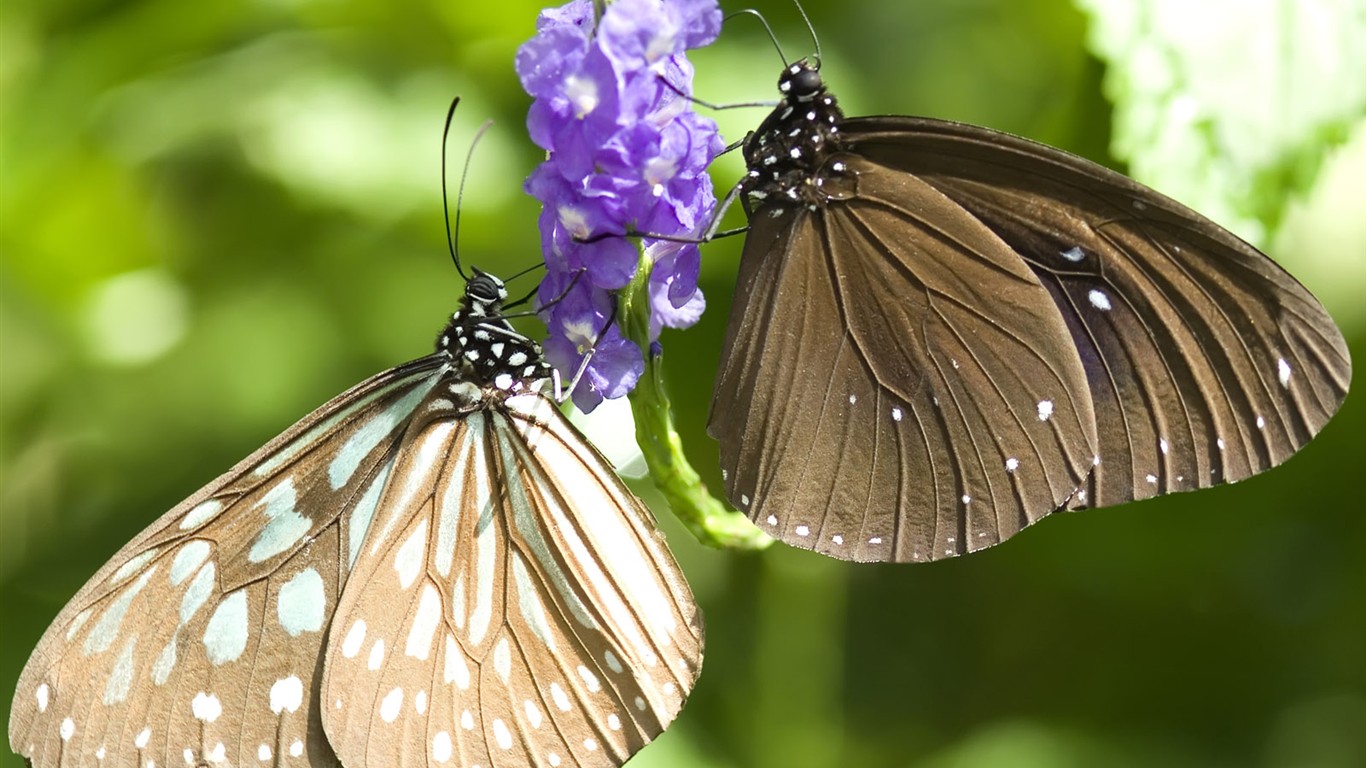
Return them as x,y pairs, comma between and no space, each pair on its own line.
1046,334
200,640
923,356
511,615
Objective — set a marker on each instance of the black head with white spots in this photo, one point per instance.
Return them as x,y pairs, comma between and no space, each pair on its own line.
483,349
788,154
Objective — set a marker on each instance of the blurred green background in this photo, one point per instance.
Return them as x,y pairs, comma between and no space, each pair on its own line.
218,215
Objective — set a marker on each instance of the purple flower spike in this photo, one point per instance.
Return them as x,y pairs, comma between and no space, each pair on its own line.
625,152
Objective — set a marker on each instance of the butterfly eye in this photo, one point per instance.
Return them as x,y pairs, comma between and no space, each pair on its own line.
485,288
807,83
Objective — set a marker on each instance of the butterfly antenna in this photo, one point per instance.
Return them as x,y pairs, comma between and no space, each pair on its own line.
771,36
811,28
445,198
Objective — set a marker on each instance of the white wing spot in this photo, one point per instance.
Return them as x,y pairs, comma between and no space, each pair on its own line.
441,747
802,531
296,748
553,759
1162,445
188,559
121,676
838,539
1219,441
144,736
853,399
467,720
502,660
590,680
420,703
133,566
456,670
411,556
1045,409
284,526
614,722
613,663
201,514
1099,300
966,500
1283,372
590,744
1152,479
68,729
206,707
218,754
560,698
225,637
355,637
376,655
875,540
302,603
286,695
533,713
425,621
42,695
1012,464
640,704
501,734
390,705
772,520
744,500
1261,423
1074,254
263,752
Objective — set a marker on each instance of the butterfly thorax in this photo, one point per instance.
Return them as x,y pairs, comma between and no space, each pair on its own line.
793,156
483,349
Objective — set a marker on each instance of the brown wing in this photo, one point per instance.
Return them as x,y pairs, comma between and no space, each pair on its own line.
1206,361
199,642
513,606
895,384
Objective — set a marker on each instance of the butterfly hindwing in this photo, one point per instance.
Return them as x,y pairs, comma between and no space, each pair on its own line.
200,640
1207,362
504,614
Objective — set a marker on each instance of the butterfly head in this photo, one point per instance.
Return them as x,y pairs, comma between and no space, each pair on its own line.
801,82
484,294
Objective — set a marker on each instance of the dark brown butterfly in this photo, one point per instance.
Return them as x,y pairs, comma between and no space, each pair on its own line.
433,569
942,333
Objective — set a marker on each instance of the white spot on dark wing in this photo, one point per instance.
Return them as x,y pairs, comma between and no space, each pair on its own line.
390,705
201,514
853,399
302,603
1261,423
1012,464
1099,300
286,695
966,500
838,539
744,500
1045,409
206,707
1152,479
1283,372
772,520
225,636
875,540
355,637
68,729
1074,254
42,695
802,531
1219,441
1162,445
896,414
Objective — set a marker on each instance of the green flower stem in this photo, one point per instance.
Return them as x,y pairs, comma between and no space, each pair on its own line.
710,520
